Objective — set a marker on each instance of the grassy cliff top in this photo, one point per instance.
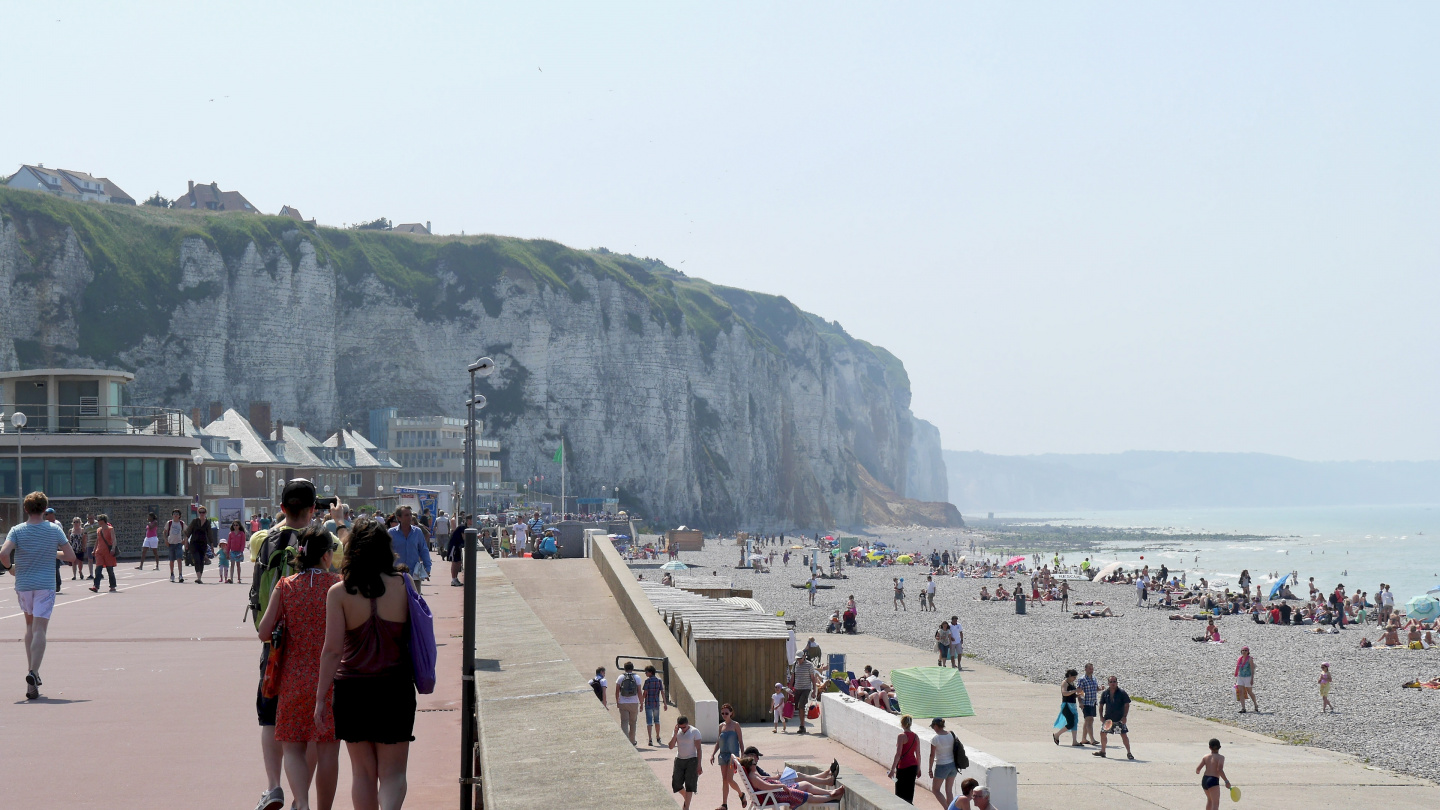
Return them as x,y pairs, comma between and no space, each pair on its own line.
134,252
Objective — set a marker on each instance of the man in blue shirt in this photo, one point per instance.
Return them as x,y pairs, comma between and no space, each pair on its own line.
35,545
408,541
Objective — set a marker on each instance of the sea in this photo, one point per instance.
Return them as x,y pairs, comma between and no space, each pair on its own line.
1360,546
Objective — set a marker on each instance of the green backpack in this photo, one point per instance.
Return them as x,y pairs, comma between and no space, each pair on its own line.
275,560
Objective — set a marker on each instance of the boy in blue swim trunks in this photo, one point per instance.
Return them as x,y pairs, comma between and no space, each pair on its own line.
654,691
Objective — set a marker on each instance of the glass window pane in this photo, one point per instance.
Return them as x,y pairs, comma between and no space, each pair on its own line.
167,477
83,478
7,478
57,478
115,476
34,474
152,476
134,477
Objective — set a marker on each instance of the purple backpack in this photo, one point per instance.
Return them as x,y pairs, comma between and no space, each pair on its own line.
422,640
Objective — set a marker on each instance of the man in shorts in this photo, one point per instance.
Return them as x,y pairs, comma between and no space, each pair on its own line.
175,544
1114,716
957,641
1089,694
34,546
685,777
654,690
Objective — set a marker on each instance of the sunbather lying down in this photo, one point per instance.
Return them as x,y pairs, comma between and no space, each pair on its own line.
1433,683
1094,614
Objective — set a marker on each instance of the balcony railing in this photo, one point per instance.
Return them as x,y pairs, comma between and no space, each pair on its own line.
87,418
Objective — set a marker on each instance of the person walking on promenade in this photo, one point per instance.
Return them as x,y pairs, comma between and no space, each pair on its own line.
728,747
236,545
654,691
151,543
297,606
1089,693
367,659
455,550
1213,765
598,684
175,544
627,700
297,507
803,679
942,766
685,776
104,553
1245,679
957,641
1069,718
906,764
54,519
199,543
33,547
77,544
942,644
1325,704
1114,716
408,541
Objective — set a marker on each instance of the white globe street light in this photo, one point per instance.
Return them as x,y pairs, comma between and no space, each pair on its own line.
18,419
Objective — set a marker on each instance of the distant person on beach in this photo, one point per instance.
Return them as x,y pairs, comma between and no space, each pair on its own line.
685,776
899,601
930,592
1325,704
1089,693
1213,765
1114,716
1245,679
33,547
811,586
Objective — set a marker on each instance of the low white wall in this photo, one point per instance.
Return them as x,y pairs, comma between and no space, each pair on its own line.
872,732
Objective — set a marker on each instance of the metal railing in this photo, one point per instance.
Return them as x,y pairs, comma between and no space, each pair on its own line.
111,419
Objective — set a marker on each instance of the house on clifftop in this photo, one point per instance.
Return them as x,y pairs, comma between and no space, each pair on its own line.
413,227
211,198
69,184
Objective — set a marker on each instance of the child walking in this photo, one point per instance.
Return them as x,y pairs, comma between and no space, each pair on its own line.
1325,704
1214,767
777,710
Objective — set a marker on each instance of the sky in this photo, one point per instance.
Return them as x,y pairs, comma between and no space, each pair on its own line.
1084,227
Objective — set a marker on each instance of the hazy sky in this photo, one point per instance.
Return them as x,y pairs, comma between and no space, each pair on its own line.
1083,227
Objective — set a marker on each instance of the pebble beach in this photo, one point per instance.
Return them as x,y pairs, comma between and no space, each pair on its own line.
1154,657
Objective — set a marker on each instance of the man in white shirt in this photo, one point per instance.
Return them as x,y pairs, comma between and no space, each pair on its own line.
442,530
957,641
685,777
1140,583
520,530
930,592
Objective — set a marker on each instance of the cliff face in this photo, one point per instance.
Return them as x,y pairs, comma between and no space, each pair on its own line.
705,405
925,476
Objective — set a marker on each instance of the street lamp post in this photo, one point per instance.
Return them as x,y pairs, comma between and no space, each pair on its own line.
197,457
18,419
483,367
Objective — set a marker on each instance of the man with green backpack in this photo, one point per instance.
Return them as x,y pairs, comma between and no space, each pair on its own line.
273,561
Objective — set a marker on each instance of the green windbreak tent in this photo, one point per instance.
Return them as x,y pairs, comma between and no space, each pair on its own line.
931,692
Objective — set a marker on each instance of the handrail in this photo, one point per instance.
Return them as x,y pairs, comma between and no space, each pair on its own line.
97,419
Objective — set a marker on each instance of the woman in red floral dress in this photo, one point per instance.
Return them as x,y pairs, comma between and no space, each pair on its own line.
299,603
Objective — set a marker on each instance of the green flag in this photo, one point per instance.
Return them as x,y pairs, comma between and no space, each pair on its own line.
560,453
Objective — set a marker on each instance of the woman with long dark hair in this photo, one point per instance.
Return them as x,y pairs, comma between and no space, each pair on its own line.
303,716
367,659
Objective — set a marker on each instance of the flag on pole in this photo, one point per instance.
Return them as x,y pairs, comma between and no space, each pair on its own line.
560,454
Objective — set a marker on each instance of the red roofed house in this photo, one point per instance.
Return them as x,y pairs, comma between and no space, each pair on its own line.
211,198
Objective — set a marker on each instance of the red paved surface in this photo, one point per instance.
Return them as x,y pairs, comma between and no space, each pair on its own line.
149,701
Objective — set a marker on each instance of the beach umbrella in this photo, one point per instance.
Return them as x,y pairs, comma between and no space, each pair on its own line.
674,565
1435,592
903,558
1017,559
1425,608
1108,570
1279,583
931,692
752,556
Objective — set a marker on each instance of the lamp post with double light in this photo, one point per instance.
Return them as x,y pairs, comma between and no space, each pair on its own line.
483,367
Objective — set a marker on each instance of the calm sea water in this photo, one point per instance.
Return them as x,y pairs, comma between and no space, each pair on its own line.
1361,546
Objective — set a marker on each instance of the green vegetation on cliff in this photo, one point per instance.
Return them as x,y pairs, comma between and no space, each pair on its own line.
134,253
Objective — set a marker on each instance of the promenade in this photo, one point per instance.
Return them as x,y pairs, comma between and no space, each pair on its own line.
149,701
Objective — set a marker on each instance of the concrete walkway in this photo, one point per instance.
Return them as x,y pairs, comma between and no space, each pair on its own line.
149,701
1013,721
577,608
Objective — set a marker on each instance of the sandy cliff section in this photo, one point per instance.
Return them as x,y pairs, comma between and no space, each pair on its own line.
884,507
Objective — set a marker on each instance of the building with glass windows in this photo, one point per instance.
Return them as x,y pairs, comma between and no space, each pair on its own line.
90,451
